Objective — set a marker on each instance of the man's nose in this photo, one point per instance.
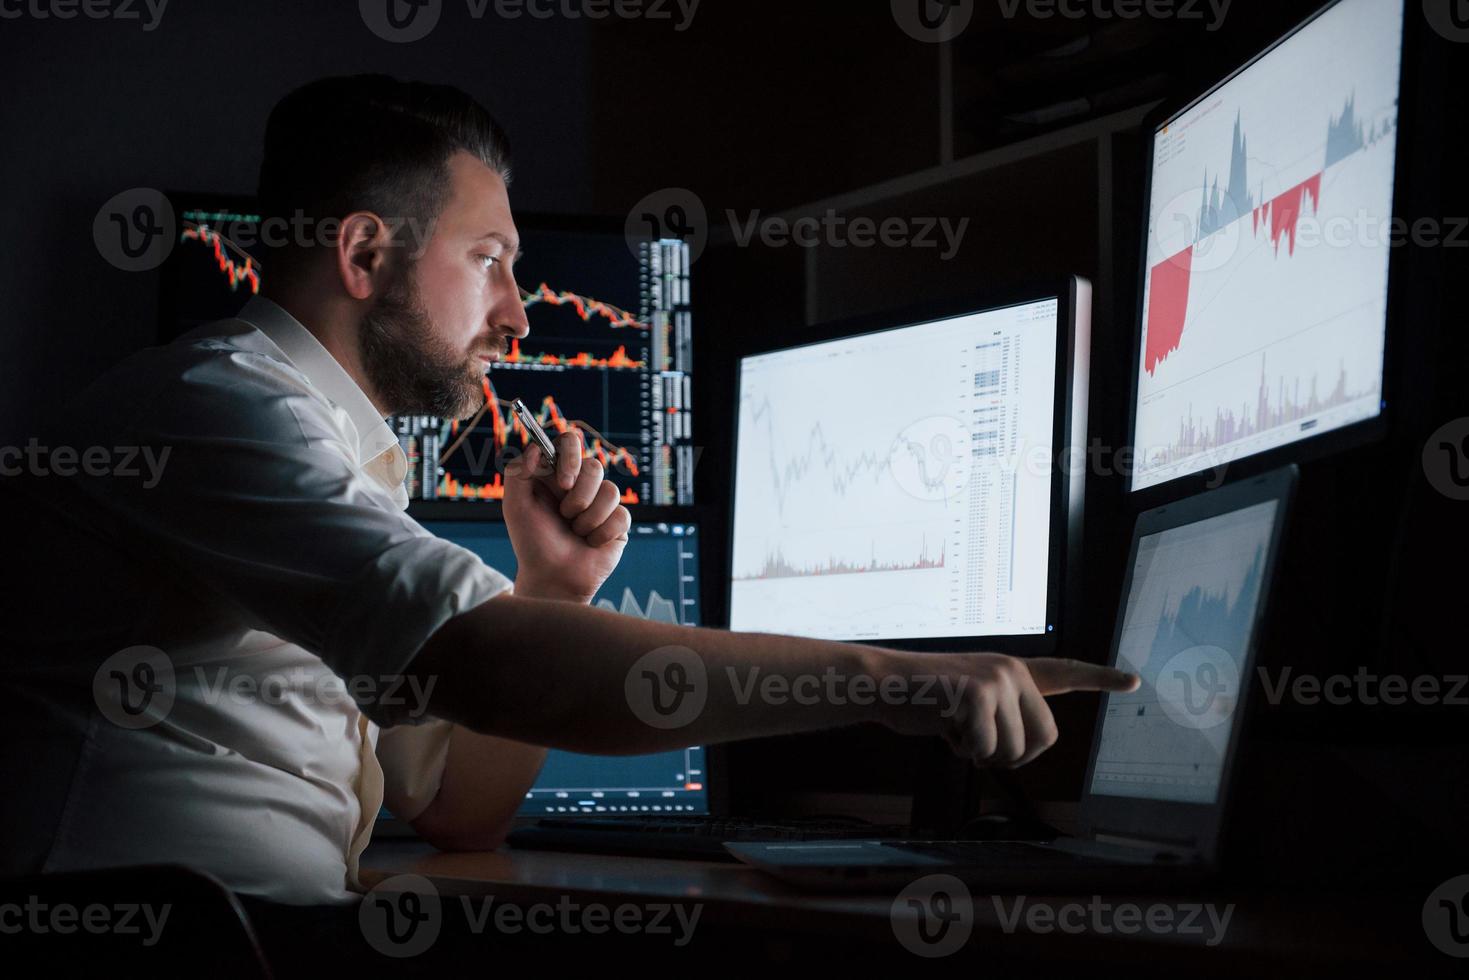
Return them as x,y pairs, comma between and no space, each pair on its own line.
510,315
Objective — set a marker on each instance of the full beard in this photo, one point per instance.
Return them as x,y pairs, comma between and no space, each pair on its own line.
410,369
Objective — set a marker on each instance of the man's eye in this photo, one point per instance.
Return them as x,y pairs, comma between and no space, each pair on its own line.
488,260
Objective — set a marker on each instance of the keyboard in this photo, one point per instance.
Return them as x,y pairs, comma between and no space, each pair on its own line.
699,838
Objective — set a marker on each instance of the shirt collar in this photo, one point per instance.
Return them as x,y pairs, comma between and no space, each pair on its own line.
307,354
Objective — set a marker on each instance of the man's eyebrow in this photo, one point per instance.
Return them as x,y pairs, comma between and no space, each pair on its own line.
502,238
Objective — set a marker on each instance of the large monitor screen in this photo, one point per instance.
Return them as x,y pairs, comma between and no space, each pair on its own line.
609,350
1265,293
898,484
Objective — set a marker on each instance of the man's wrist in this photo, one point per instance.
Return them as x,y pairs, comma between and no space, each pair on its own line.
529,587
881,664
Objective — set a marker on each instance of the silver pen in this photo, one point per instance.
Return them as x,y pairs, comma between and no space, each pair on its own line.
537,433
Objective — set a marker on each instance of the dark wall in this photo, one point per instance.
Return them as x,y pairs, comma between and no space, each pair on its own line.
95,107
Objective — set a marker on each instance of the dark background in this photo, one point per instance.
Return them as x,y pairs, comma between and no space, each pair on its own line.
1027,126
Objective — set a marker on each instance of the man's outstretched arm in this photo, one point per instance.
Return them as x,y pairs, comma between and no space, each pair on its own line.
564,675
572,677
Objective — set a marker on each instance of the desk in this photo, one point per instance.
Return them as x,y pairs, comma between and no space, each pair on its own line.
752,914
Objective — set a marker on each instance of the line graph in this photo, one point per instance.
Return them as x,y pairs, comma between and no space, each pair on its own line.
502,428
235,272
617,360
584,306
880,488
655,607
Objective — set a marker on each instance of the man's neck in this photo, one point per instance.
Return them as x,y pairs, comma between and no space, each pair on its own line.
334,325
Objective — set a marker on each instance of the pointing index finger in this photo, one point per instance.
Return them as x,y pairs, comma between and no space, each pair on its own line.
1060,676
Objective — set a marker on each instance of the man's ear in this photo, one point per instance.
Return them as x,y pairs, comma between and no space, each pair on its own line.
361,253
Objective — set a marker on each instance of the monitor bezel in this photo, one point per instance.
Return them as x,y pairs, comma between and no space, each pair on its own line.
1069,415
1192,828
1332,441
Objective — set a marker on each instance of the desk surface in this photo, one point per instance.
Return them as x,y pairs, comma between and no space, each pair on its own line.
1316,928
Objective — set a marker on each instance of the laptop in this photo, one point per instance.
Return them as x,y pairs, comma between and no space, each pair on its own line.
1158,778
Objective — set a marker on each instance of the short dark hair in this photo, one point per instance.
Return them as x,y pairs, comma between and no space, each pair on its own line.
373,143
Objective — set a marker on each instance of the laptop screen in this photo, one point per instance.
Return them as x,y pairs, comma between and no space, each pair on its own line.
1186,630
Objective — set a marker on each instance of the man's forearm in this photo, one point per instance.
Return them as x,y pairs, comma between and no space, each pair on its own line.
555,674
485,777
485,780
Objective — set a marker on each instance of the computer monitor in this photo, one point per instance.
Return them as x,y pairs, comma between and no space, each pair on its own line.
610,345
214,266
1198,580
1265,290
915,478
657,578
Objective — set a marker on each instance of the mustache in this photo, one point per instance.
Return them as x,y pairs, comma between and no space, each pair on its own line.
497,345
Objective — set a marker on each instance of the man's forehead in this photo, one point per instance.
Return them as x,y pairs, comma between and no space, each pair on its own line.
478,204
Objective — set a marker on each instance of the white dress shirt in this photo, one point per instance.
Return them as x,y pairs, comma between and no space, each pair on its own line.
272,565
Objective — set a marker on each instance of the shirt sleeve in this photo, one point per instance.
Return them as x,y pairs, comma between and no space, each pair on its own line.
258,500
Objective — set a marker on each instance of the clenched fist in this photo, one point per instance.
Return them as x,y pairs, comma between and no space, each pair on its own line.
566,524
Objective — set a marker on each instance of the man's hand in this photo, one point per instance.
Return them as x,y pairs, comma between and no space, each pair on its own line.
1000,717
567,526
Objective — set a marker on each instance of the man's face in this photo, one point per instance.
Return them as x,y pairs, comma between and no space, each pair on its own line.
434,331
